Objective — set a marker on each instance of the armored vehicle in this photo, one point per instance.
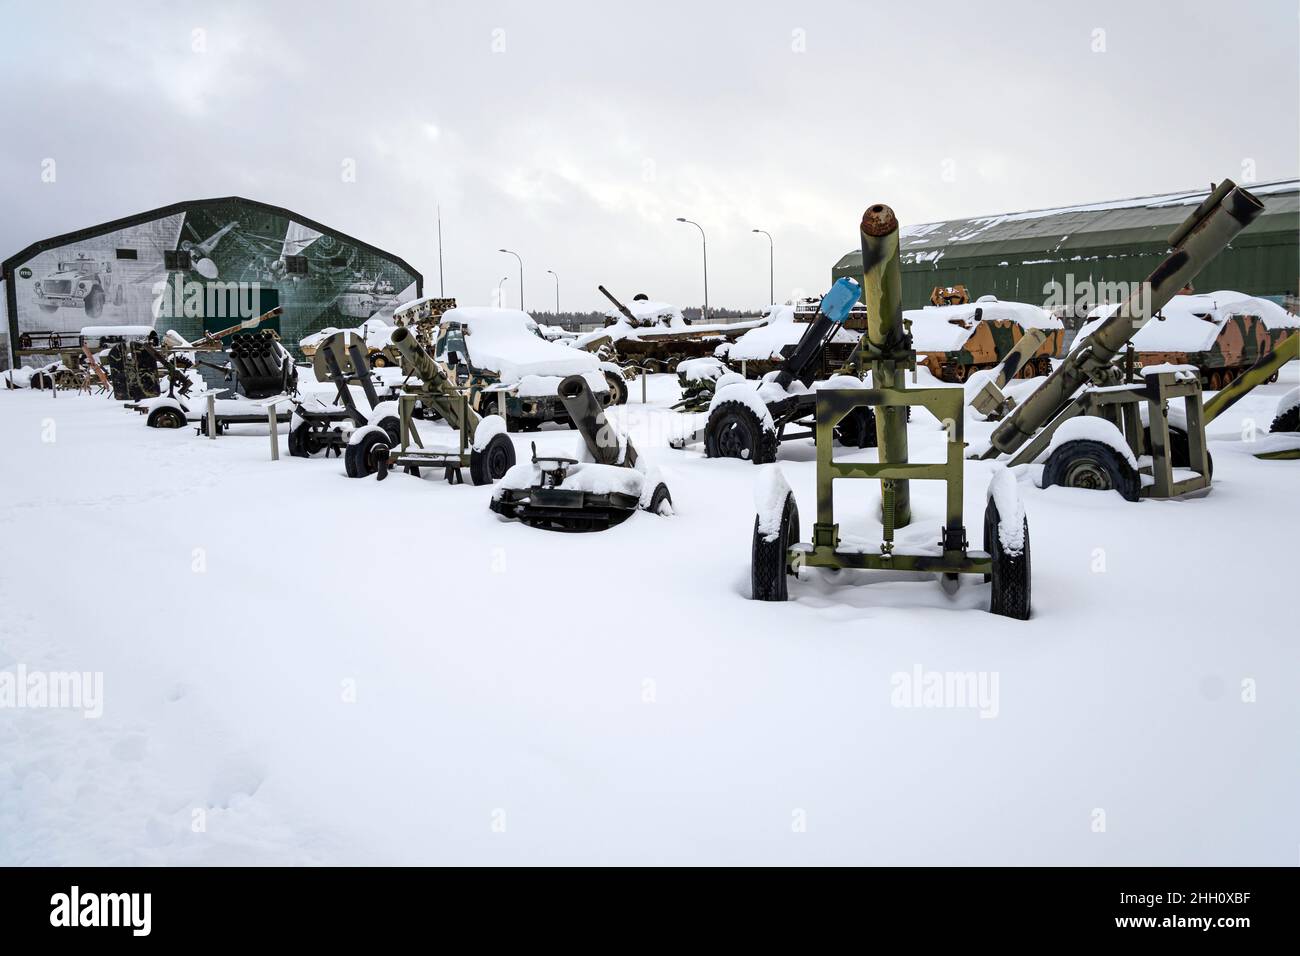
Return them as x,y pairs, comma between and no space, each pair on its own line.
954,341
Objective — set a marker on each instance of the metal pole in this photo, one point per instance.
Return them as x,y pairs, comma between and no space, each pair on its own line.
705,243
501,296
643,378
275,432
212,415
771,266
521,276
557,295
441,292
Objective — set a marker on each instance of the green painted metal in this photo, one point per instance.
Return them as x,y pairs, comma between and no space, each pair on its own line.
886,349
1257,374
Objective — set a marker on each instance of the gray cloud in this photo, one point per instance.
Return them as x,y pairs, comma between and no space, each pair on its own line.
591,126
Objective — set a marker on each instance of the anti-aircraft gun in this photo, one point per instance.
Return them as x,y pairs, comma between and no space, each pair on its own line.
595,492
1088,417
749,419
482,443
886,349
317,427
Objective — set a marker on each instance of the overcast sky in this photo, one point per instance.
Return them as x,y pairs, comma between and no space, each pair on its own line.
577,133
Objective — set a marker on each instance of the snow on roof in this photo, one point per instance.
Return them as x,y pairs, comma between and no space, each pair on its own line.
1191,323
945,328
376,333
501,341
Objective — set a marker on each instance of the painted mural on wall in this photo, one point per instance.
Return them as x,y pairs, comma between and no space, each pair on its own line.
191,270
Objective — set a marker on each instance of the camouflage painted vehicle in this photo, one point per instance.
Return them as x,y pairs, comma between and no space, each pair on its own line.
954,341
1222,334
656,337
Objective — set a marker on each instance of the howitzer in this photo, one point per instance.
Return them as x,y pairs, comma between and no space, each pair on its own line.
571,494
1091,381
1224,213
483,445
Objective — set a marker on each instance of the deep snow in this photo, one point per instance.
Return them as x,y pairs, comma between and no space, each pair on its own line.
329,670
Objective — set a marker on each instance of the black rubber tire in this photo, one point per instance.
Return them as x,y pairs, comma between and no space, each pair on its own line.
1288,421
516,424
392,425
492,462
94,302
661,495
858,428
1011,573
1083,463
302,442
166,417
768,568
361,458
734,431
617,388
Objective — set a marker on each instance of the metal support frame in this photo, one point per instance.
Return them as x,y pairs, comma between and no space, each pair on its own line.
1119,404
833,405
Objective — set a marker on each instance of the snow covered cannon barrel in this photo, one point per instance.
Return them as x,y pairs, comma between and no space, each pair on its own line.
886,344
1206,232
604,442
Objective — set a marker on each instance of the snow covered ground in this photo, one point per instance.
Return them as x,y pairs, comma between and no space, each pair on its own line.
302,668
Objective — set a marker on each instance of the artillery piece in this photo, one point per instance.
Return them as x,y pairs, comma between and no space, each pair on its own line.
598,491
886,348
750,419
483,445
317,427
1088,415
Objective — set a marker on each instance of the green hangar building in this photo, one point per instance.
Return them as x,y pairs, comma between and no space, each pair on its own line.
1083,250
198,266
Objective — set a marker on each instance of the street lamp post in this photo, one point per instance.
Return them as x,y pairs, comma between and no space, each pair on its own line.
771,266
705,314
521,276
501,295
557,294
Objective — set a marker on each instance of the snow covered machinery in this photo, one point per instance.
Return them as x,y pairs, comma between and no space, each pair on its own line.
341,359
749,419
886,349
598,492
1087,417
482,443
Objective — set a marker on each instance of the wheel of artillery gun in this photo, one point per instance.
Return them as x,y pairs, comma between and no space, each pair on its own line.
367,456
1288,421
1011,572
492,462
617,388
661,502
1094,465
393,426
304,442
734,431
768,568
166,418
857,429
